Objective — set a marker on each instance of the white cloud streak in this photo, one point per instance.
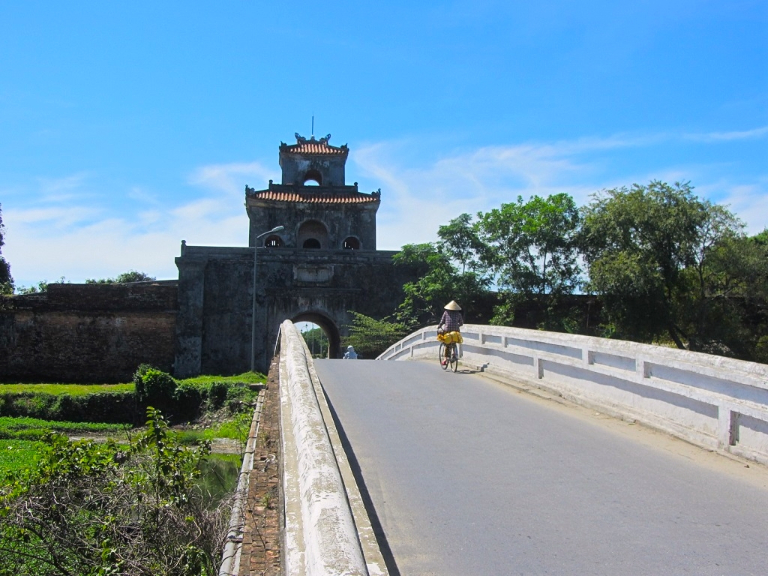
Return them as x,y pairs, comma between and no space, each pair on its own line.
65,230
712,137
82,241
428,196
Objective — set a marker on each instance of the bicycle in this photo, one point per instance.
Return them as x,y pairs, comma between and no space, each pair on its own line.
448,353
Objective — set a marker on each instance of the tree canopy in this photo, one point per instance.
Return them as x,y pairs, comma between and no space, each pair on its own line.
666,262
6,280
659,263
124,278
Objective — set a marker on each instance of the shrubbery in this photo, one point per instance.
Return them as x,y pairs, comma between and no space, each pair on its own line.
111,407
98,509
180,400
155,388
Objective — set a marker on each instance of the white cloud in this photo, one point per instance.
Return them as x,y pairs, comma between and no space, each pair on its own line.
85,237
417,200
63,189
729,136
478,180
749,201
55,218
82,241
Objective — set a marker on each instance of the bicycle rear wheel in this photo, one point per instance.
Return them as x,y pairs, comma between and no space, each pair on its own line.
454,359
441,357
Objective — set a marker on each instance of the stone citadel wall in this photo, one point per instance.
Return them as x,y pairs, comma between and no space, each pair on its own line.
88,332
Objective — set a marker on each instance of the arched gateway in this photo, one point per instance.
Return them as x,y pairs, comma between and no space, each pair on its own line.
318,267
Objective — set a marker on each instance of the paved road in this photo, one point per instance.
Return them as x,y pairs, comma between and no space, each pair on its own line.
469,477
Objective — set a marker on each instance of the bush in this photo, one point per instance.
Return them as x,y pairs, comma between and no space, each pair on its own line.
217,394
157,389
189,399
113,408
90,509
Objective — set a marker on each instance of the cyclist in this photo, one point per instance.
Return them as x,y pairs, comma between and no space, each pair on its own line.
451,321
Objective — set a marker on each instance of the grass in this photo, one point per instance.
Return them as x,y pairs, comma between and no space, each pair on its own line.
83,389
235,429
11,425
18,454
71,389
244,378
19,448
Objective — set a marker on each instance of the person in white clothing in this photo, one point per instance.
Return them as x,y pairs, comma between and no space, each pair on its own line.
350,354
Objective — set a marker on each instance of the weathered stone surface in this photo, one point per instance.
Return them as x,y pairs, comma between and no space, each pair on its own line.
233,300
224,313
88,332
261,538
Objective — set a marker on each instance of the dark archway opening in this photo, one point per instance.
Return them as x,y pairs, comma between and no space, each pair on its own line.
308,322
313,235
351,243
313,177
273,241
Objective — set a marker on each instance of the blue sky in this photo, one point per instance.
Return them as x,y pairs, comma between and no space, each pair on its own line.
126,127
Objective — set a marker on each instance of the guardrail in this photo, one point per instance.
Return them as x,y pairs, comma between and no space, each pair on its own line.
327,530
712,401
230,561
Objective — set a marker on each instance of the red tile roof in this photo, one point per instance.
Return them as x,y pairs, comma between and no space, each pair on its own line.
312,146
316,198
315,148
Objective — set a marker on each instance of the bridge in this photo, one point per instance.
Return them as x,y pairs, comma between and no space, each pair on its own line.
545,454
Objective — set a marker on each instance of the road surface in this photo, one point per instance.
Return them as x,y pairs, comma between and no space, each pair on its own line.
470,477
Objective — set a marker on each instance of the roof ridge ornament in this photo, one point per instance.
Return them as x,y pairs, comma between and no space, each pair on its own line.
302,140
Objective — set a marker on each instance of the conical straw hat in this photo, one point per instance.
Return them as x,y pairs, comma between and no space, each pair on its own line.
452,305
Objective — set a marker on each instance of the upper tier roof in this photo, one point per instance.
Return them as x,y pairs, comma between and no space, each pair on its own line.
312,146
310,196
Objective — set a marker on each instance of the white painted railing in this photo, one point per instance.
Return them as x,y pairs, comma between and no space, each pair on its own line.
320,534
327,529
716,402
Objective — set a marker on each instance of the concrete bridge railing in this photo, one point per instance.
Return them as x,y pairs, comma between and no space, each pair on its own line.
327,529
715,402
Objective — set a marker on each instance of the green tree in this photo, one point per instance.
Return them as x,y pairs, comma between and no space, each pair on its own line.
41,286
6,280
461,241
656,257
440,281
732,308
317,342
124,278
371,337
531,249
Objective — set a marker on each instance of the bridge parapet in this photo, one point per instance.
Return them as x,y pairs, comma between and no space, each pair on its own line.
716,402
327,530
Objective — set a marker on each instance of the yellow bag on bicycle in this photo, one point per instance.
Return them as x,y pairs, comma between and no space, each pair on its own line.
450,337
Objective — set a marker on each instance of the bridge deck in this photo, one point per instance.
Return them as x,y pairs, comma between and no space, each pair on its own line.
472,477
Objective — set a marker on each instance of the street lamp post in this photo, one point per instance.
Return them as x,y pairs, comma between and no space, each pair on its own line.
255,276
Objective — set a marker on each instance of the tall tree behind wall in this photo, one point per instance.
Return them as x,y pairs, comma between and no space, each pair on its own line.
6,280
668,265
530,247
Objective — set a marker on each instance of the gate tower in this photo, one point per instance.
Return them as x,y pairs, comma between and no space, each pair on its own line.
322,264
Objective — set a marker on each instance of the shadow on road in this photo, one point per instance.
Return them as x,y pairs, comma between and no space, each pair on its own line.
378,531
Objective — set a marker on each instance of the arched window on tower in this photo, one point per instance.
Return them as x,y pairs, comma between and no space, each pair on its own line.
313,235
273,241
351,243
313,177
